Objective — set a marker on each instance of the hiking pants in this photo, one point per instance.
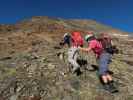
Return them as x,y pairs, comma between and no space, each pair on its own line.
72,57
104,63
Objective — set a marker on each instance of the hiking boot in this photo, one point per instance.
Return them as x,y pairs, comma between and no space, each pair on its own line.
109,88
113,88
77,71
106,87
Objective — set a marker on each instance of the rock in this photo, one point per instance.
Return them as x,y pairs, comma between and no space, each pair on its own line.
51,66
14,97
75,84
6,58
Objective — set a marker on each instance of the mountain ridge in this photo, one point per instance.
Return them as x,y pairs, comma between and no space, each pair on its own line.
84,24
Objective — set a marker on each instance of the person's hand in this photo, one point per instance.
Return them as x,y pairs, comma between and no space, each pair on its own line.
61,44
79,47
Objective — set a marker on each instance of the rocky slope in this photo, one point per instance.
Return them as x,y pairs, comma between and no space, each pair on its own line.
31,70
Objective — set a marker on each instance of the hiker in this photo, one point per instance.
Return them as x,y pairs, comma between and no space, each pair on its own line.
66,40
103,58
73,52
107,45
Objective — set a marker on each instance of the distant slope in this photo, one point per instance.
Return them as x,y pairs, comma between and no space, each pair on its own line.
44,23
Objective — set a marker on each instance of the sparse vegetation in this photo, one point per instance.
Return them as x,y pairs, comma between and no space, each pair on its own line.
31,70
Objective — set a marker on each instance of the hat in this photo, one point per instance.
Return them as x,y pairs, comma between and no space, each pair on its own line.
88,36
66,34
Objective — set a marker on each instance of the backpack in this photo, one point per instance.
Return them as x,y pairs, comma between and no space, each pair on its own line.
77,39
105,40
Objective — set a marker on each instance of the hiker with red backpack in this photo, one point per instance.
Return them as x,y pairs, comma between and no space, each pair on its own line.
73,52
103,58
73,40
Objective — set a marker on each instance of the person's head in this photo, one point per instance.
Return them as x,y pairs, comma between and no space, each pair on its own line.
89,37
66,34
104,35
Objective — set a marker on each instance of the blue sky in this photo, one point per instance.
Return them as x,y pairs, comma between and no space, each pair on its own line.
115,13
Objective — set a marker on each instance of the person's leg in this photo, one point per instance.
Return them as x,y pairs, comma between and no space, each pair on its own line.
109,77
103,65
105,83
69,44
111,83
104,79
74,64
103,68
72,59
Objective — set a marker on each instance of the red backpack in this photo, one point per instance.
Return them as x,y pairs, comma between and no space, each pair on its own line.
77,39
105,40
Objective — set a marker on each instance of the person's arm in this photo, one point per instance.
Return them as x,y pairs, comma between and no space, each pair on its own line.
85,49
112,43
